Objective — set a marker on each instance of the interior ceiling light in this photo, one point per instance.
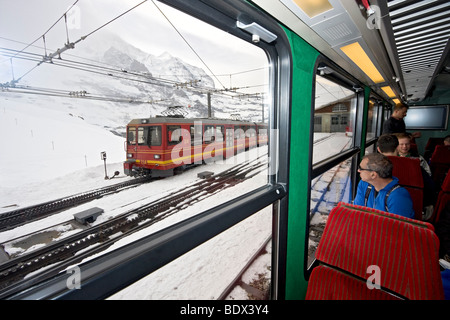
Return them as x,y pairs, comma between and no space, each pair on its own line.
313,7
357,54
388,90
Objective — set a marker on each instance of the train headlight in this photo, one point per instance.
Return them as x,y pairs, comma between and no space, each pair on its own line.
157,156
129,155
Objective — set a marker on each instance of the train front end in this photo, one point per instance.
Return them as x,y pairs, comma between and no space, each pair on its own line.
145,150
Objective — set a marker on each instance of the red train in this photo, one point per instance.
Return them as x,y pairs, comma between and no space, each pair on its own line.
159,146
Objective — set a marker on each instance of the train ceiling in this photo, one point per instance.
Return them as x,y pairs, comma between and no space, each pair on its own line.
399,47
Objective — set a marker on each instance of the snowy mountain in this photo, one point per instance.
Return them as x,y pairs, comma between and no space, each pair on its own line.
113,82
48,132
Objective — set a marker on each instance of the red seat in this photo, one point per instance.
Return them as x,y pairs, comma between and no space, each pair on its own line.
431,145
440,163
357,240
413,149
327,283
409,174
443,198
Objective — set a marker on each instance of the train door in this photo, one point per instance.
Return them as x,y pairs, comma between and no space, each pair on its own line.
220,141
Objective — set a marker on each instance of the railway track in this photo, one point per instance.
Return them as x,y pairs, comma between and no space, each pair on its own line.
21,216
327,190
258,288
71,250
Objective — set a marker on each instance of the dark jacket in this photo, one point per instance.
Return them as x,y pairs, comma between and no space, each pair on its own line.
393,125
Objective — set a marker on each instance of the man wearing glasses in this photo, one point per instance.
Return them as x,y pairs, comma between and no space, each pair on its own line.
378,189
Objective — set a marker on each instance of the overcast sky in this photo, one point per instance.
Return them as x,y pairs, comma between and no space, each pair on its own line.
24,21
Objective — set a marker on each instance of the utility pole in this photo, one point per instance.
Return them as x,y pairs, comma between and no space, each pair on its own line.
209,104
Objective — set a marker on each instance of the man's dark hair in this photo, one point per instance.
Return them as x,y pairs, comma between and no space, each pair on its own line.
380,164
387,143
400,106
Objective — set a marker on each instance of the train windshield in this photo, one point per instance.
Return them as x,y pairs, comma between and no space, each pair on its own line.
131,137
151,135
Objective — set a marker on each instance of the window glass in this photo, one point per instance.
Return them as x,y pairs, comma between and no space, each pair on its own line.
142,136
143,64
131,137
196,135
372,118
220,132
208,135
174,134
202,274
334,119
327,190
155,135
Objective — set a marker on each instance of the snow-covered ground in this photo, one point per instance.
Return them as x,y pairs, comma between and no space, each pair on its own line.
52,155
49,155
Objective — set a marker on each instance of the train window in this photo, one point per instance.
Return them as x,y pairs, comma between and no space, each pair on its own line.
262,131
174,134
248,277
149,136
239,132
208,135
372,119
220,132
128,80
327,190
131,137
196,135
142,136
334,118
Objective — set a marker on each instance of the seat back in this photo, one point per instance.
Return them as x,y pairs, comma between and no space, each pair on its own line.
430,146
443,198
413,149
409,174
440,163
358,240
328,283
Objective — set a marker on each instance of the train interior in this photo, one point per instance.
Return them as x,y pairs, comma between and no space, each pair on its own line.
333,71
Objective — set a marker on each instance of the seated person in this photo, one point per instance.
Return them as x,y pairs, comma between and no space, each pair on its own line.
404,145
429,188
378,189
447,140
387,144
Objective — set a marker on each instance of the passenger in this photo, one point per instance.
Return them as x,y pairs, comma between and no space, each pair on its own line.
429,187
387,144
447,141
404,150
378,189
396,124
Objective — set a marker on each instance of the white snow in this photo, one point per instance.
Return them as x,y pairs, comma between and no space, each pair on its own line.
46,159
48,154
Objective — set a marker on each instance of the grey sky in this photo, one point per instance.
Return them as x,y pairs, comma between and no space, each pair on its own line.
144,27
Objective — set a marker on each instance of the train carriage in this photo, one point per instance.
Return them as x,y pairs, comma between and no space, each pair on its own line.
158,146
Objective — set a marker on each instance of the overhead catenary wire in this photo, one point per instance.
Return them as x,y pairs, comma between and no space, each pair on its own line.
71,45
43,35
187,42
120,74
